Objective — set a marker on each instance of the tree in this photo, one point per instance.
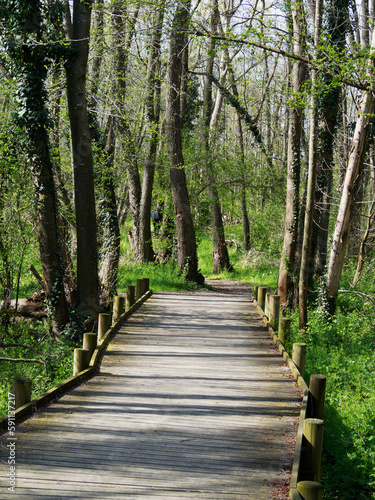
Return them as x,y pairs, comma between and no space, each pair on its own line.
328,116
78,32
153,116
123,37
306,260
24,36
350,187
220,251
287,262
104,141
186,244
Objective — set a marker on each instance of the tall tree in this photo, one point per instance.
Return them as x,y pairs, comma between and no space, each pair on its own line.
123,37
328,109
287,263
220,251
104,139
351,183
24,35
306,261
78,31
186,243
153,115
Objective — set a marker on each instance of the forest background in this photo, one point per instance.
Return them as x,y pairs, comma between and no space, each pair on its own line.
250,123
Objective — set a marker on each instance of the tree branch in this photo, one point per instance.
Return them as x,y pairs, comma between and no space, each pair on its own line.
290,55
25,346
24,360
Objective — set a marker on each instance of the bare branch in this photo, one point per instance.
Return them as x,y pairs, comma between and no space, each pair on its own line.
24,360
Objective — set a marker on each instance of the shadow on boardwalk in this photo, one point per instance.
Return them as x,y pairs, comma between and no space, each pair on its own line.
192,401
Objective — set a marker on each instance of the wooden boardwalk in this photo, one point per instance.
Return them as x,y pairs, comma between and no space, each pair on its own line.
193,401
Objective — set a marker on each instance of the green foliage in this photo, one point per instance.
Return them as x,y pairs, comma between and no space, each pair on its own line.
343,351
16,221
57,356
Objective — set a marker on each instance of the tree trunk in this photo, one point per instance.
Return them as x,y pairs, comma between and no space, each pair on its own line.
353,173
287,263
306,262
30,63
110,251
220,252
105,145
87,252
153,113
337,15
122,123
186,245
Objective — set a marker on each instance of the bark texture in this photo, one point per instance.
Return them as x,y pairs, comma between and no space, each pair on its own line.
84,198
350,188
287,263
186,244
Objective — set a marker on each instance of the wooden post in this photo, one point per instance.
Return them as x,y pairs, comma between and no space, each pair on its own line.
310,490
140,290
90,341
21,388
284,329
81,360
317,396
299,356
262,290
274,311
255,292
267,305
313,429
146,285
130,296
118,308
104,324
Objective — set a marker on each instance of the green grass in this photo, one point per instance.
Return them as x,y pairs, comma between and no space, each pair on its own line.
251,268
163,277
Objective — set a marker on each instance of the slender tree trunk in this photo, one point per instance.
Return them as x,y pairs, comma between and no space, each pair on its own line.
110,250
337,16
153,113
362,247
369,225
84,198
220,252
186,244
122,123
105,145
287,263
306,262
227,67
353,173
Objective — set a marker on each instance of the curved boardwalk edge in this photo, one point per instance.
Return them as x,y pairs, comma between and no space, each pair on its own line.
81,377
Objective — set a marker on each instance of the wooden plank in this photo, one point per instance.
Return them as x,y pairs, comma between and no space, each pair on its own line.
193,401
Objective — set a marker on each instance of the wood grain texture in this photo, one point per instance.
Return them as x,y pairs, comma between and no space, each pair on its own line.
193,401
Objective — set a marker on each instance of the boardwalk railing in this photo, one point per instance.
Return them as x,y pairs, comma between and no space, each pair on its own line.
306,471
87,359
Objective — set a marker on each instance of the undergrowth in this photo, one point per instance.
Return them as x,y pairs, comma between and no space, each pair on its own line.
344,351
31,340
